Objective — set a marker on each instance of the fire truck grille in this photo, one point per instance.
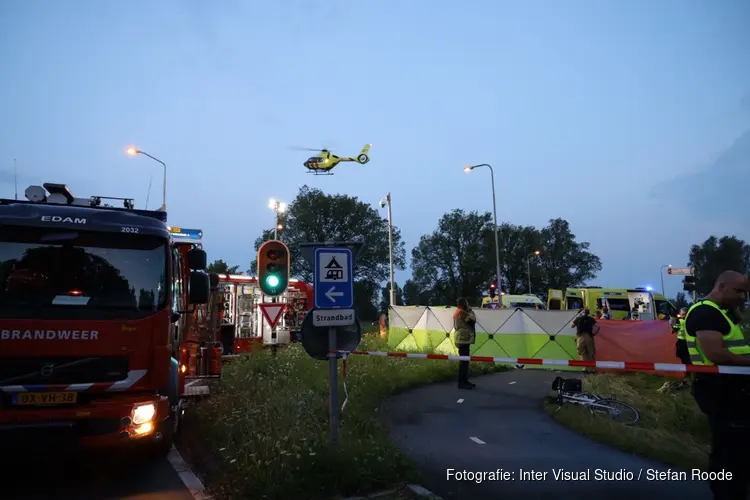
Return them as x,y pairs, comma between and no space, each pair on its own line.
50,371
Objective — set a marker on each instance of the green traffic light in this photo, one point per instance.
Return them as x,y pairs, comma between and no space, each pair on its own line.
272,281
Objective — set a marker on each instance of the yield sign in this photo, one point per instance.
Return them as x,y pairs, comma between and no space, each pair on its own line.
272,312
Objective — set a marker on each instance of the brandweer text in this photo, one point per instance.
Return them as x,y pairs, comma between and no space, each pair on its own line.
49,334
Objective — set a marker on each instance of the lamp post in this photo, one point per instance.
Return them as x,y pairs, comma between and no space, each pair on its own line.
494,211
661,275
279,208
135,151
528,265
387,201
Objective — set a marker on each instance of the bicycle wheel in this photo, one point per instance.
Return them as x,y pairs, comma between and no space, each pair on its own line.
616,410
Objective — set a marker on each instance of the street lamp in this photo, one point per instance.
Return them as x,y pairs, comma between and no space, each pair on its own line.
135,151
494,210
279,208
528,265
387,201
661,275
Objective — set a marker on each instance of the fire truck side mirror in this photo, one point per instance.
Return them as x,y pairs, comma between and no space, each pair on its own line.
197,259
199,288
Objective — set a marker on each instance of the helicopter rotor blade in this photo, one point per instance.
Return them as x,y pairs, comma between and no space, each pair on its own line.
296,148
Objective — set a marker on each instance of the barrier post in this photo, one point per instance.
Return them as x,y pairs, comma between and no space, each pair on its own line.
334,386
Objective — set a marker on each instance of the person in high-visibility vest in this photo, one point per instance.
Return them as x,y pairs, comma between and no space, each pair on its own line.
681,344
714,337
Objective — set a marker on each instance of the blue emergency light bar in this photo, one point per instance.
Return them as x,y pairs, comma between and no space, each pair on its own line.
188,235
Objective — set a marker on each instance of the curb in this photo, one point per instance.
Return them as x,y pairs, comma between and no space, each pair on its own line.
188,477
412,490
422,492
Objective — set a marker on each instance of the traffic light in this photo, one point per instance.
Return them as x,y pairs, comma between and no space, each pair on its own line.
688,284
273,267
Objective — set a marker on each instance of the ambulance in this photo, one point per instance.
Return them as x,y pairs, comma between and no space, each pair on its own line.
510,301
623,303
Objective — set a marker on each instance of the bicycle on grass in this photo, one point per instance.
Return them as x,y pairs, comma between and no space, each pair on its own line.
570,391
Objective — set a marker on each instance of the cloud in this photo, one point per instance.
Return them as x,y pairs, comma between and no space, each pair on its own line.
718,192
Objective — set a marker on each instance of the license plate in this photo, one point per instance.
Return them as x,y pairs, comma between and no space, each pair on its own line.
44,398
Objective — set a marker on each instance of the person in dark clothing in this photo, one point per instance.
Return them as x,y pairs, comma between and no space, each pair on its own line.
713,337
464,324
586,328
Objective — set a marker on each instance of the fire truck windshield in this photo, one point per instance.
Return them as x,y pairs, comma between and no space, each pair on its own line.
51,274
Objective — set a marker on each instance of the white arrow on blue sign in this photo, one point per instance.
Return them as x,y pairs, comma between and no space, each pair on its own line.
333,279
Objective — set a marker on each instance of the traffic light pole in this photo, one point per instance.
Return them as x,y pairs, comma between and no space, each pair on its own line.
274,345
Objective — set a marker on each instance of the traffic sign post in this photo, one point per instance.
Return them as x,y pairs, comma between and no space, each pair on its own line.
681,271
333,284
333,313
272,312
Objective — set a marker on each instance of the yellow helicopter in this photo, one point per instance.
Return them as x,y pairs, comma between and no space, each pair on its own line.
325,161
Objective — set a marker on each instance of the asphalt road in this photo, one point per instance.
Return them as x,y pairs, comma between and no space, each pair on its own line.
501,425
91,477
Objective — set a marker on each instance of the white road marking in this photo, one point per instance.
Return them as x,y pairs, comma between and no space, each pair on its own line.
511,383
477,440
460,401
188,477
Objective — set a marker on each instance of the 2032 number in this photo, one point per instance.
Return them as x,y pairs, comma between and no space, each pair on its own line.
132,230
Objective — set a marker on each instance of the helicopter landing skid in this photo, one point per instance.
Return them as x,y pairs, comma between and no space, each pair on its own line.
320,173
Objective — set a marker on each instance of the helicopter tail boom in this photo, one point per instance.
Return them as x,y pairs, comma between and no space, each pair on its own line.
363,157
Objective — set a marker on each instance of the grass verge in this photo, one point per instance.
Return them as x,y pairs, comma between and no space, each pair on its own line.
672,429
266,425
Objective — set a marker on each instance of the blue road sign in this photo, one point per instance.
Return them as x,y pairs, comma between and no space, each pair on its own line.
333,278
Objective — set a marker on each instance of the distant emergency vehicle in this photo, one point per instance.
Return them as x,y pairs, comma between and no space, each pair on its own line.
621,302
243,324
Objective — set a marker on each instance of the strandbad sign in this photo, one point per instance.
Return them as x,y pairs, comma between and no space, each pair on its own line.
337,317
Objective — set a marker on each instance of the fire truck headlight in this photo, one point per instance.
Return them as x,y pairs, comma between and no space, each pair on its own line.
144,413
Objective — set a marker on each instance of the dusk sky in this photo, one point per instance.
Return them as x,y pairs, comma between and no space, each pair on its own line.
630,118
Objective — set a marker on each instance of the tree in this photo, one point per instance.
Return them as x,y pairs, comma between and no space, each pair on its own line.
221,267
716,255
565,262
314,216
517,246
680,300
364,303
458,259
415,295
452,261
385,298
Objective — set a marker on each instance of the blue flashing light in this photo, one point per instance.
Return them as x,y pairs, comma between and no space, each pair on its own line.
187,234
649,288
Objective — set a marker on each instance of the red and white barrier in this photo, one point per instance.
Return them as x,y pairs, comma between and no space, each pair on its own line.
628,366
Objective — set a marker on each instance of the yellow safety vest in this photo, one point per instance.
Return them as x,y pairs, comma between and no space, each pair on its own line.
734,340
681,329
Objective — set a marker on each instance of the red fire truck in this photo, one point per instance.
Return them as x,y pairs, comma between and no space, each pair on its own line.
197,333
95,301
243,325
